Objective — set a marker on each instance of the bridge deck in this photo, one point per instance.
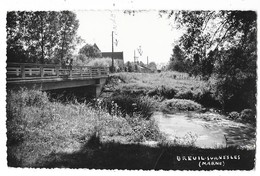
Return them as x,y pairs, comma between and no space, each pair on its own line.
53,76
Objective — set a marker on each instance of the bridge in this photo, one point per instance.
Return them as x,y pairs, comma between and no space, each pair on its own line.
50,77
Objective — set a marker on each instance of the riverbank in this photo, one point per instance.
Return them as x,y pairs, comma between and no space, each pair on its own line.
115,131
38,128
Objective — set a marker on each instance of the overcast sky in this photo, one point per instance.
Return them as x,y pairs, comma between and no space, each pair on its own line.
146,29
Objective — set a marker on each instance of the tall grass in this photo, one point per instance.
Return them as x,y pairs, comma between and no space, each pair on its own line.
37,127
130,105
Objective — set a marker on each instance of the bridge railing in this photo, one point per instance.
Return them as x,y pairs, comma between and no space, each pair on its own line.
19,71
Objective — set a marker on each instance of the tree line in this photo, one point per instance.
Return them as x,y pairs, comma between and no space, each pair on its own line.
41,36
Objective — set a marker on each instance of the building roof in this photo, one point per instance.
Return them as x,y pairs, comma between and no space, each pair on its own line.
95,45
116,55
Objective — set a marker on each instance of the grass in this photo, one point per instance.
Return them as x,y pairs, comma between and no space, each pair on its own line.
129,104
37,127
166,85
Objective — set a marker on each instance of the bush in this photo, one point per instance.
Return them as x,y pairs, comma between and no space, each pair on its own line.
189,95
247,115
176,105
163,91
20,104
25,97
144,130
233,115
130,104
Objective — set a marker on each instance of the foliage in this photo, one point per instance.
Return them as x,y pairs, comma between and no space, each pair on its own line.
90,51
152,66
223,44
131,105
130,66
233,115
248,115
236,75
80,60
177,61
40,36
176,105
37,128
173,85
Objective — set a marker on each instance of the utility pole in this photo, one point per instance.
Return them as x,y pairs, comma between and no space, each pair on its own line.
112,55
135,57
147,61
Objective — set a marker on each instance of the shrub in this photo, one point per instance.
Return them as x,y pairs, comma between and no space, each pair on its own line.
25,97
143,130
247,115
163,91
20,105
206,98
188,94
176,105
130,104
233,115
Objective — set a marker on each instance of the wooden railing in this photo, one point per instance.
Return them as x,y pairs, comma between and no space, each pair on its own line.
20,71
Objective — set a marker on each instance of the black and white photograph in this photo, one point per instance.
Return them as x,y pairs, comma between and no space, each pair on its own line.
130,89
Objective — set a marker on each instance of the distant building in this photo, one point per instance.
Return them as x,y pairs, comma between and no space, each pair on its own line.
117,56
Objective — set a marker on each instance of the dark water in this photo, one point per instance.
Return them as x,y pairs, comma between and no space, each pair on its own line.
207,130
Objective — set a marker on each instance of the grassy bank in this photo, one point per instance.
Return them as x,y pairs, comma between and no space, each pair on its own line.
172,92
37,127
165,89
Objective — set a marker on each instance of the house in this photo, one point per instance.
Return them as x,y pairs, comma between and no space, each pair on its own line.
117,56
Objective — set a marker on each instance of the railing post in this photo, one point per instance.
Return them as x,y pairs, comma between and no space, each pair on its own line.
57,71
17,71
41,71
107,71
99,71
70,72
30,71
80,70
23,71
90,74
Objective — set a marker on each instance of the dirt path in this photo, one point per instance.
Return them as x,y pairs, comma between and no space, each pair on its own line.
207,130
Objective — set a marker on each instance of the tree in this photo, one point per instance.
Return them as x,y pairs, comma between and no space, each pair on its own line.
223,43
130,66
67,33
152,66
91,51
177,61
42,36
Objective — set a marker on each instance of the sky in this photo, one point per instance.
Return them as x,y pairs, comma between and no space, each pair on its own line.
146,30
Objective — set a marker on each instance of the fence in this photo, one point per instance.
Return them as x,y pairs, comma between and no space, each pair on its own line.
20,71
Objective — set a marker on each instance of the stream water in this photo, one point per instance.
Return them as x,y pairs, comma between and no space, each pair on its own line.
208,130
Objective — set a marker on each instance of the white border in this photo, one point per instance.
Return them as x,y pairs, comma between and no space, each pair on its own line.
8,5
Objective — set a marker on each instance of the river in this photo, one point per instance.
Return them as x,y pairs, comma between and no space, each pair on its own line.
205,130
